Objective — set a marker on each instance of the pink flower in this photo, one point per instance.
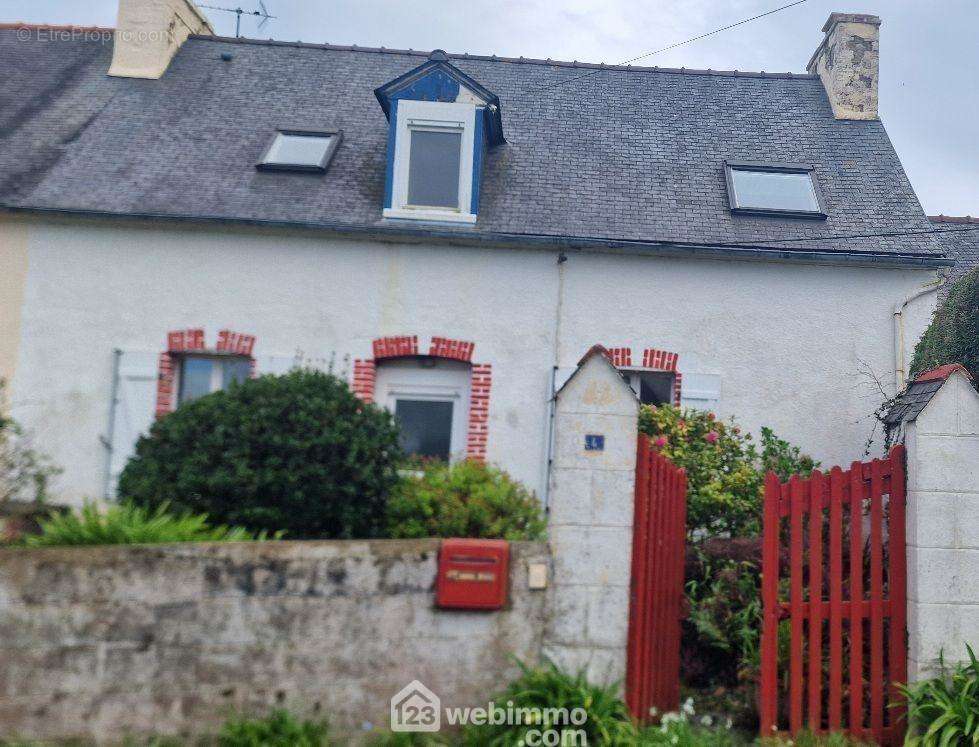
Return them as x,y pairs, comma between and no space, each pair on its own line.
660,442
712,437
711,416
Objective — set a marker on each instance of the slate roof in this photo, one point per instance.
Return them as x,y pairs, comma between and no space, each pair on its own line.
962,247
909,404
625,154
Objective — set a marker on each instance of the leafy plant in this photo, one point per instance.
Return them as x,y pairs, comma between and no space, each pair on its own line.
553,695
279,729
24,472
944,710
953,335
126,524
297,452
466,499
725,470
684,728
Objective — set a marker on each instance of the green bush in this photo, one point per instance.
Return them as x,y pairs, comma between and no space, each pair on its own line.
297,452
953,335
725,470
279,729
126,524
945,710
465,499
24,472
554,695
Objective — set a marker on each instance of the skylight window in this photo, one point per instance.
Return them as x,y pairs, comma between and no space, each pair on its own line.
300,150
774,189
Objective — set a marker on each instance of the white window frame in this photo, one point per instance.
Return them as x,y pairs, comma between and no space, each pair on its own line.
433,116
440,381
634,375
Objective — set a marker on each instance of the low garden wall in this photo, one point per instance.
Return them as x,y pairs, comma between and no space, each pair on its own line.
108,641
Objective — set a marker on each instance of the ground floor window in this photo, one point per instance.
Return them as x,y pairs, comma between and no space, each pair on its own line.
202,374
429,398
652,387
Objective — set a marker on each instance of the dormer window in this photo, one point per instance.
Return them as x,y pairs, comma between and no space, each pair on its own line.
441,124
787,190
433,162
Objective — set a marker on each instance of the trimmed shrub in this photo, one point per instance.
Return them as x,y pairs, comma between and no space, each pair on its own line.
953,335
297,452
465,499
126,524
725,470
279,729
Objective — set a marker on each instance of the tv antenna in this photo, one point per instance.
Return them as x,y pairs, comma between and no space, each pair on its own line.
261,13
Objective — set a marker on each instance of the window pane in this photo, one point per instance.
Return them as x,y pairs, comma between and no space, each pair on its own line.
298,150
235,369
426,427
774,190
433,168
195,378
656,388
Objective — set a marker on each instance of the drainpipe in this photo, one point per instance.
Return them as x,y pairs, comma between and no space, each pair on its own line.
899,348
111,430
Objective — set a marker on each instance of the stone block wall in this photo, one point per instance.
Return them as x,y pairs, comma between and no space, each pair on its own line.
943,531
109,641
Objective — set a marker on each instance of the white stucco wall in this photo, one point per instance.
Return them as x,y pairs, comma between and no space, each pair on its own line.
788,342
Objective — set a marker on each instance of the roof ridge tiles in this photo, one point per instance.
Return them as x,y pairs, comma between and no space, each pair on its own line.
576,64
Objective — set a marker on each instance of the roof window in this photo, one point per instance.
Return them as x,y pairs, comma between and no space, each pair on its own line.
300,150
788,190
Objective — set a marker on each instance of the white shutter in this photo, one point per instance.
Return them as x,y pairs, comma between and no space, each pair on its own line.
702,391
274,364
133,414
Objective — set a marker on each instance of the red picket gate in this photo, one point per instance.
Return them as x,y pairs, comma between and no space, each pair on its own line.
828,597
656,603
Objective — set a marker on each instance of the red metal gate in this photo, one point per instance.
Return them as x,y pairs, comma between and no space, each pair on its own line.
656,603
842,597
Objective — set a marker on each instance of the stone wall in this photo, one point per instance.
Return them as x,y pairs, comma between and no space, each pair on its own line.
943,534
100,642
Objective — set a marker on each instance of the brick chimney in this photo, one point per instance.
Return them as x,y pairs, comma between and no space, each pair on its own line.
149,33
848,63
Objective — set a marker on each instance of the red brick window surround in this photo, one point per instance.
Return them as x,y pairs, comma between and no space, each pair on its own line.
480,383
183,341
653,359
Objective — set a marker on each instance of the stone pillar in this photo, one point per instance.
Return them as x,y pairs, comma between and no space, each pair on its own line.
943,526
592,487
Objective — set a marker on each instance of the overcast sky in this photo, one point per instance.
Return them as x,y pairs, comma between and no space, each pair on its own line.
929,94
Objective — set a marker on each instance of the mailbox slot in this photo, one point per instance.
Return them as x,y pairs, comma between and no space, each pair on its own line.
473,574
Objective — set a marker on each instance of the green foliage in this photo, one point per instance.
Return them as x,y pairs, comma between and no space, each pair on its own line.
725,470
126,524
279,729
546,688
297,452
945,710
24,472
953,335
465,499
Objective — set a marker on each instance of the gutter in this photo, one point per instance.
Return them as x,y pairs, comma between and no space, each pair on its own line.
399,231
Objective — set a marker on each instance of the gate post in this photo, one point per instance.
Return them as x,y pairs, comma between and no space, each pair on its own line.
590,514
942,444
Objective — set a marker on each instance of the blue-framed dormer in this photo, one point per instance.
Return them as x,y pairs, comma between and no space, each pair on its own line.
441,123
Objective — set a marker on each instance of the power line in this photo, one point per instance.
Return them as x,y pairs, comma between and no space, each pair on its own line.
538,91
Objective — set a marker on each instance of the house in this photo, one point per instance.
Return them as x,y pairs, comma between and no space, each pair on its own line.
450,232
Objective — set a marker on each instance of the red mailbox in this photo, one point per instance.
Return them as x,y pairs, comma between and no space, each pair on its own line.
473,574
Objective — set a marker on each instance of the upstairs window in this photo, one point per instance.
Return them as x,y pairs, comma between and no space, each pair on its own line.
774,189
300,150
434,151
204,374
